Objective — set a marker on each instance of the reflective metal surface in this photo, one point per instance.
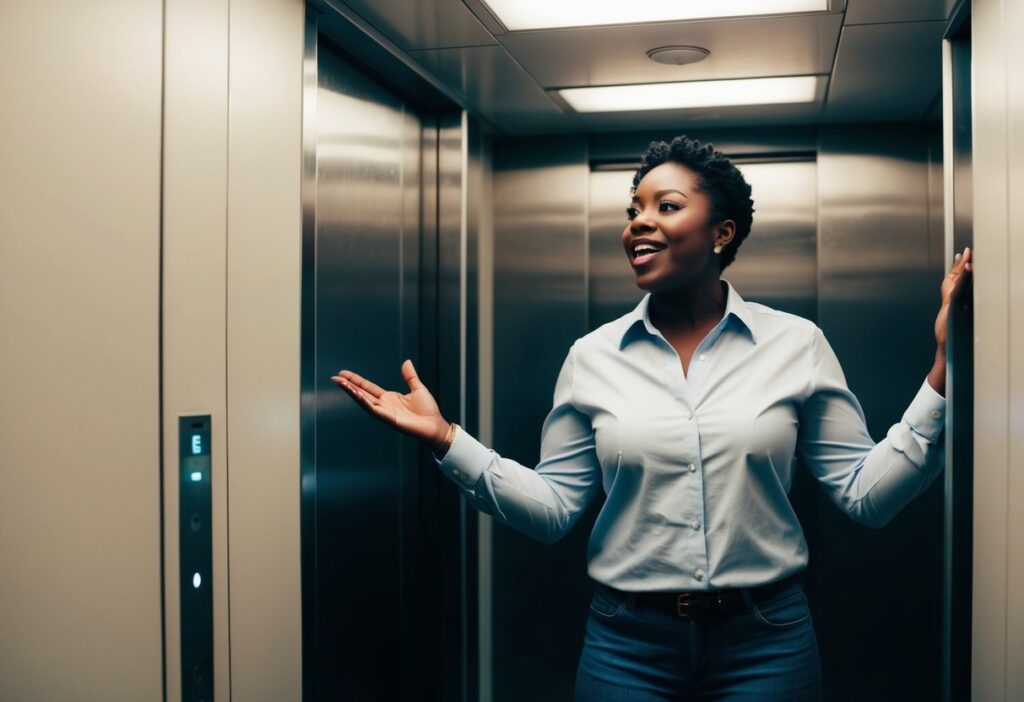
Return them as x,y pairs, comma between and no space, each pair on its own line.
540,309
360,495
877,300
959,475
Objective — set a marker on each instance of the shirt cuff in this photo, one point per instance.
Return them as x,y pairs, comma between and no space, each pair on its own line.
465,461
926,414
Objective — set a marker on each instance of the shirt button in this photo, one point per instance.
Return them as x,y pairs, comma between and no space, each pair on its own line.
689,415
699,575
455,471
695,524
703,357
936,414
693,468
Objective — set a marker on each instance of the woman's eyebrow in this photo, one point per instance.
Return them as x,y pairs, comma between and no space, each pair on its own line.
662,192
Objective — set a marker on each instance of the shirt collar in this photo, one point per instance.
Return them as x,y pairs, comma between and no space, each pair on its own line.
639,320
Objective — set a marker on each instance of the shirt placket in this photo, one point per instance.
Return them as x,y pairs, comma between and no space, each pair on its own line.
690,550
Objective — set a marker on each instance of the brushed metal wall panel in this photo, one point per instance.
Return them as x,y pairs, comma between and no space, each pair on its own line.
878,296
613,289
540,303
777,265
366,272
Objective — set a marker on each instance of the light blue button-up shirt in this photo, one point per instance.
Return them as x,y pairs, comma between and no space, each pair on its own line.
697,467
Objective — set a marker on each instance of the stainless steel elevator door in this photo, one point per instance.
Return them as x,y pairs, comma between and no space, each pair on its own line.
360,543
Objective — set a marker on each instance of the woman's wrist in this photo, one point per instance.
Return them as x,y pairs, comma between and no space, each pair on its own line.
439,441
937,375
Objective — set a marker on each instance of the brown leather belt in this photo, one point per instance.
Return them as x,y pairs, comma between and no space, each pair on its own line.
711,604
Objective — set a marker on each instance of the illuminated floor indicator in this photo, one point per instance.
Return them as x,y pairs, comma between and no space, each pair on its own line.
195,558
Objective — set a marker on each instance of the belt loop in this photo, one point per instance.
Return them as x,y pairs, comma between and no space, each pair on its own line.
631,600
747,598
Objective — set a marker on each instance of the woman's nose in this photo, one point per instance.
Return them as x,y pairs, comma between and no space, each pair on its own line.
641,222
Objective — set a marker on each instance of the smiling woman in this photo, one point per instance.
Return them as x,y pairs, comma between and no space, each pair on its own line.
697,535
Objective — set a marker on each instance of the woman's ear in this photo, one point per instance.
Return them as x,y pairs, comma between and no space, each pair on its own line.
725,231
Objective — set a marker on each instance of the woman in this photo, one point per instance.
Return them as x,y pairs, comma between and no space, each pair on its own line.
696,552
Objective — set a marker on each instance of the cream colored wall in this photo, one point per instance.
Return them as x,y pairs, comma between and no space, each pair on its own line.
264,313
232,282
998,172
82,175
79,350
195,177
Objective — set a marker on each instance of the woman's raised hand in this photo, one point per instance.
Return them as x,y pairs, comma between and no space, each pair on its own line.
415,413
952,288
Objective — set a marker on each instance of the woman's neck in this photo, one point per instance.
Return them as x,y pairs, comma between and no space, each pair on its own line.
686,308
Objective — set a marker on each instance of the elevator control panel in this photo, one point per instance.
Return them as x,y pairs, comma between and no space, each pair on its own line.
195,558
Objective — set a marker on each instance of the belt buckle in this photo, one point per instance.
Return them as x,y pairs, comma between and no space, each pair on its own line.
683,604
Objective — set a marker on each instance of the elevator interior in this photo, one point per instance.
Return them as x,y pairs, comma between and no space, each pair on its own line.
482,254
184,261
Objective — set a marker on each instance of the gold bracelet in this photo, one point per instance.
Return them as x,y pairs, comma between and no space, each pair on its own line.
453,429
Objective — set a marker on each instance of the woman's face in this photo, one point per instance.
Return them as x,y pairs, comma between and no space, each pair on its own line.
671,213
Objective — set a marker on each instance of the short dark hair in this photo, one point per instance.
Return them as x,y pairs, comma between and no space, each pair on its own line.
717,177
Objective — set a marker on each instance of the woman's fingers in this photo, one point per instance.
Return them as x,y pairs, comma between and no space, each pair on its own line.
357,394
362,383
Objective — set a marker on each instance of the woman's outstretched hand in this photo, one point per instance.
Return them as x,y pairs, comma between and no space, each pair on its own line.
415,413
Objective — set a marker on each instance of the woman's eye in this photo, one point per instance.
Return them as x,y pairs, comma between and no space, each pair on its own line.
631,212
667,205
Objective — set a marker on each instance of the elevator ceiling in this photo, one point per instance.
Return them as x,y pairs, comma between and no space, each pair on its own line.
881,61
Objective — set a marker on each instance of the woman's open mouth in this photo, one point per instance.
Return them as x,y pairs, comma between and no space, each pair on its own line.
644,251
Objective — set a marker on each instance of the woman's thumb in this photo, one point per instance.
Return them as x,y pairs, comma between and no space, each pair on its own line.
409,373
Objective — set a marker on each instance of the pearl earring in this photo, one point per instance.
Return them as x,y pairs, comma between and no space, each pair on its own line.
718,249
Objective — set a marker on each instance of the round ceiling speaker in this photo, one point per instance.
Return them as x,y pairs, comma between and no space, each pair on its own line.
678,55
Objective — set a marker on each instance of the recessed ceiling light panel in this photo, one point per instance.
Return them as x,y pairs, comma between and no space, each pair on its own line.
518,15
692,94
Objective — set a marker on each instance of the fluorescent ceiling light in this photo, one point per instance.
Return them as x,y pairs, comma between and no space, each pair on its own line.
705,93
547,14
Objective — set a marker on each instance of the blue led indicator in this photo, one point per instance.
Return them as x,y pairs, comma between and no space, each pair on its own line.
197,444
196,476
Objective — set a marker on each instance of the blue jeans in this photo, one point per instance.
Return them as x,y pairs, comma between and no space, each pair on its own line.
635,653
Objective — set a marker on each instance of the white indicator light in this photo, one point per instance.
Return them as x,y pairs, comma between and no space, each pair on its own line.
196,476
197,580
197,444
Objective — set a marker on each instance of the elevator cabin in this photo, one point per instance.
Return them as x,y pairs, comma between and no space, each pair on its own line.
482,258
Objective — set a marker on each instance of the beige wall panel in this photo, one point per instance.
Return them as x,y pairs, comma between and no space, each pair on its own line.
194,261
79,353
991,360
264,238
1013,29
